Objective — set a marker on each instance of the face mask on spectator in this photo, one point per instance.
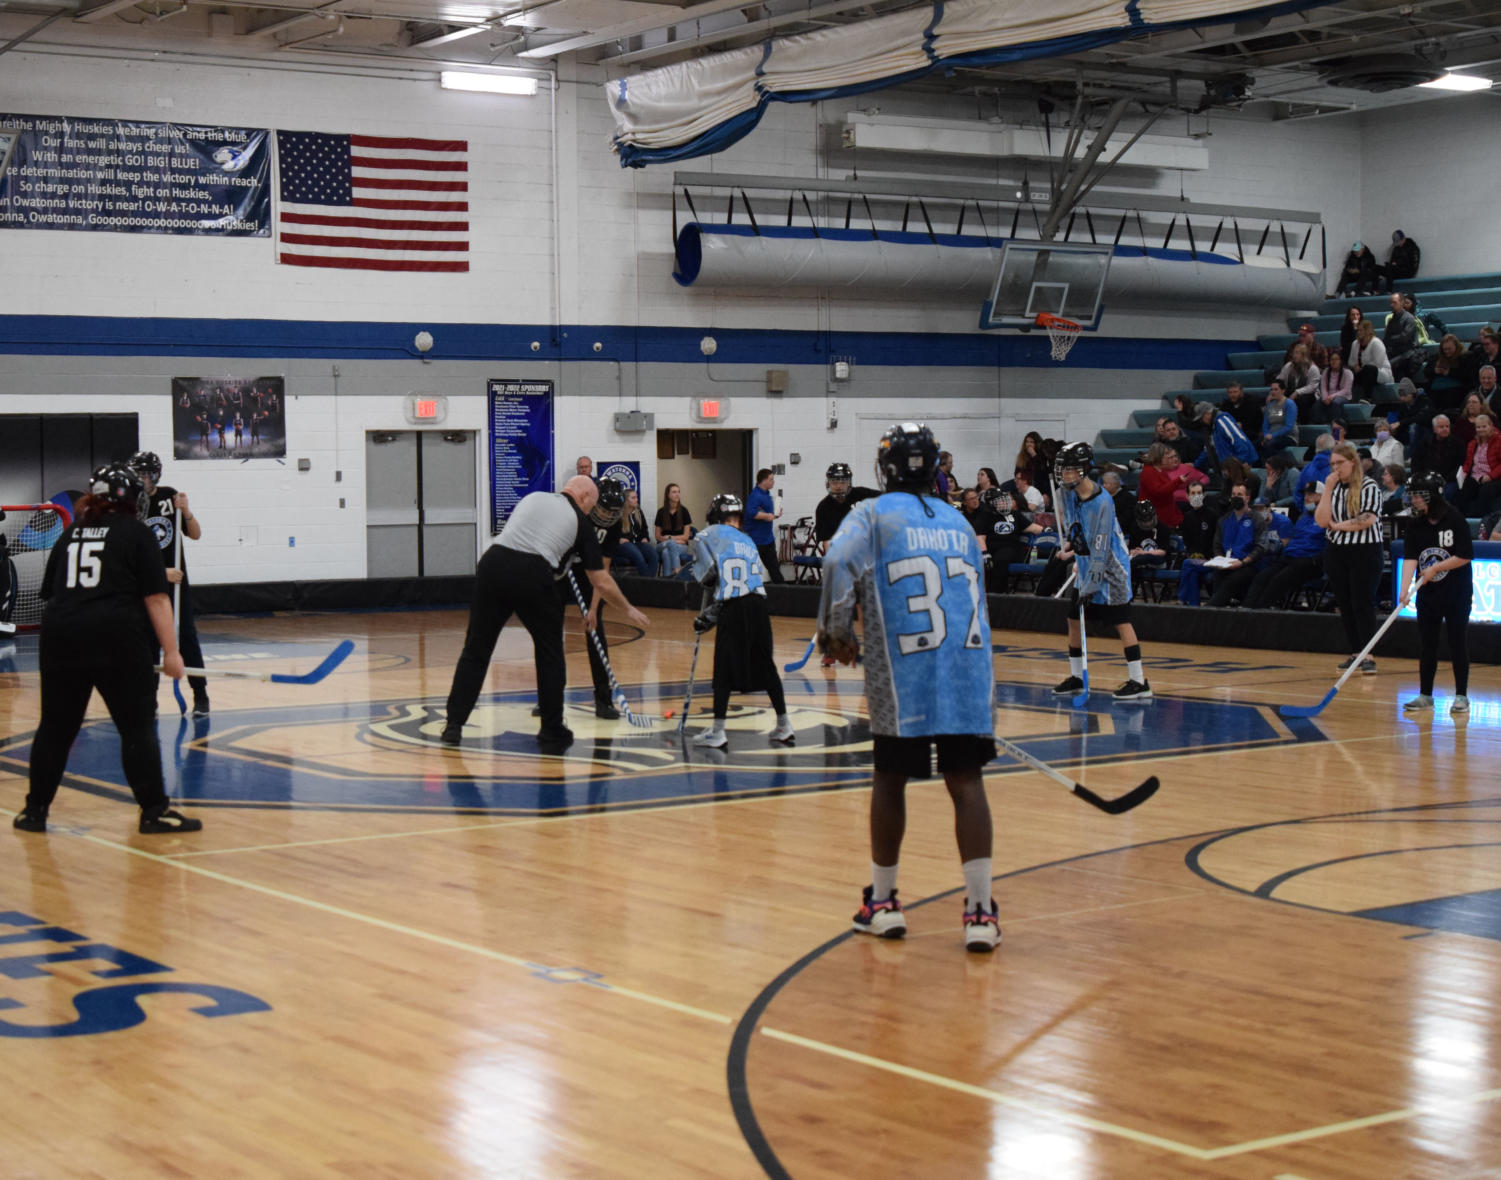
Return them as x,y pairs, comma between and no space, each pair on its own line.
1383,435
1237,503
1310,505
1197,501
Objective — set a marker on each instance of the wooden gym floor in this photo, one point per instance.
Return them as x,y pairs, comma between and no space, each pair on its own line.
386,958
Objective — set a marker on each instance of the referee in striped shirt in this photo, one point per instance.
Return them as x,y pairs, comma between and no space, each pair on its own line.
1350,511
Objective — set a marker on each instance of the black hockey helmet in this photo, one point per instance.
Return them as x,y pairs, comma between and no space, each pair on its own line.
120,485
146,463
723,505
1429,485
1146,514
997,500
839,471
907,457
606,510
1078,455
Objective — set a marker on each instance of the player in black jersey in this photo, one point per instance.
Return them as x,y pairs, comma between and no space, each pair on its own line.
1438,544
605,517
166,508
830,512
107,609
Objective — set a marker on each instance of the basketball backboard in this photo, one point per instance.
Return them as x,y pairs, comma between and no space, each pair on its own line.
1063,279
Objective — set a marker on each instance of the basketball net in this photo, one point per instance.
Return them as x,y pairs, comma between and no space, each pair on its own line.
1061,333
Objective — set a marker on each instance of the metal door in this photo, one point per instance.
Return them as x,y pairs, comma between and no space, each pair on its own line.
445,464
420,503
392,512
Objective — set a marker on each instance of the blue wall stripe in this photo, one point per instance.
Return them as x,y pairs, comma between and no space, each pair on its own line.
335,340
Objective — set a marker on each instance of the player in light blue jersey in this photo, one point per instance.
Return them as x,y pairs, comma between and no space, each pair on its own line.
1102,571
726,561
912,564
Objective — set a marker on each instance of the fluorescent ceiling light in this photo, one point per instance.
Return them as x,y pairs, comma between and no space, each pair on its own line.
445,38
1458,82
488,83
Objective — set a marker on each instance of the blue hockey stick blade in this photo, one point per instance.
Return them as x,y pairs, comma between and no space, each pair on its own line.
182,704
330,662
1308,710
798,663
1083,698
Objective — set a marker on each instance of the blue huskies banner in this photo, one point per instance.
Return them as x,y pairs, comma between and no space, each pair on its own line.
59,172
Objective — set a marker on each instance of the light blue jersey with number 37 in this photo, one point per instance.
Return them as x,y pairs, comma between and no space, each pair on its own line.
914,567
732,555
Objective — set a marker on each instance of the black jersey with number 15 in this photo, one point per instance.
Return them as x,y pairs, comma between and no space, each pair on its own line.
97,575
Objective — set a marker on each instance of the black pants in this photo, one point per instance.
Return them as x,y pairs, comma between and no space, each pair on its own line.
1234,583
772,563
1281,577
743,660
508,582
72,667
1451,611
597,671
1354,573
1364,383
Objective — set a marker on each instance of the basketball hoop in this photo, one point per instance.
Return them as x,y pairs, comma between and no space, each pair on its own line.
1061,333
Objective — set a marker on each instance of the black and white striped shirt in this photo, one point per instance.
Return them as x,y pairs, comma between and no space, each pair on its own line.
1370,502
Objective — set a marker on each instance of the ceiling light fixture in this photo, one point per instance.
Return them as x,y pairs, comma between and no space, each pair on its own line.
1458,82
488,83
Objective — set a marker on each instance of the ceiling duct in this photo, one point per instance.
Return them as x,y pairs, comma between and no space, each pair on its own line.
1380,73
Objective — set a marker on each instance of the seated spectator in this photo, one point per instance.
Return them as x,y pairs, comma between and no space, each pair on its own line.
977,515
1232,472
1413,418
1146,538
674,529
1485,351
1482,470
1490,527
1394,488
1020,486
1400,337
1441,452
1360,273
1125,502
1464,423
1271,528
637,551
1316,353
1279,421
1247,410
1403,262
1386,449
1368,361
1316,470
1353,316
1234,537
1297,562
1187,419
1033,456
985,479
1280,489
1444,374
1198,527
1335,387
945,486
1226,438
1410,304
1165,481
1009,540
1487,390
1170,435
1300,376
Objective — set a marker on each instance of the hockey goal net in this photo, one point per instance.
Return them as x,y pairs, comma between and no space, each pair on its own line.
27,535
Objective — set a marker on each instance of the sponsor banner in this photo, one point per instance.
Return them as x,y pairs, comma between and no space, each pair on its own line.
229,417
61,172
521,444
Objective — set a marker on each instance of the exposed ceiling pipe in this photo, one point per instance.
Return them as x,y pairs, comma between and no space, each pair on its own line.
751,33
670,18
336,31
34,30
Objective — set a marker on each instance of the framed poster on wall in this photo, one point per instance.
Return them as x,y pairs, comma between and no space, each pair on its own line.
229,417
521,444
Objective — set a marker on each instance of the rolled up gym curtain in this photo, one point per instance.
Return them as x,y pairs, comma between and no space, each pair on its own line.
699,107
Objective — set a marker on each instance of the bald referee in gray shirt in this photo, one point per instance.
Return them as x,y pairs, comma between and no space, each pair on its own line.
515,576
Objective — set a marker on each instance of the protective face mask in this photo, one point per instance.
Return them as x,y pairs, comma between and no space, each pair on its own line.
1383,435
1196,501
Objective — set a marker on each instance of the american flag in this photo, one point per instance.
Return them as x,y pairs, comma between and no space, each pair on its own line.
371,202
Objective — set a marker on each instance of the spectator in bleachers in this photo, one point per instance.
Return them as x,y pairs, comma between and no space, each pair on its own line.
1247,410
1488,391
1386,449
1232,472
1226,438
1368,361
1172,436
1412,420
1234,537
1317,353
1485,351
1482,469
674,529
976,513
1410,304
1187,420
1298,562
1165,480
1198,527
1444,374
1009,541
1360,273
1316,470
1353,316
1124,501
1402,263
1146,538
1335,387
636,549
1020,486
1300,376
1279,421
1464,423
1490,527
1442,452
944,484
1034,457
1350,509
1400,337
1271,529
985,479
1280,489
1394,488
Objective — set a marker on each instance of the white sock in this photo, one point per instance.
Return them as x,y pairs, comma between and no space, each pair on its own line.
977,882
1133,670
1076,665
882,881
781,720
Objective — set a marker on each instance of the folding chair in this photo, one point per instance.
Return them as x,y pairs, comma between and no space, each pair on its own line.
807,565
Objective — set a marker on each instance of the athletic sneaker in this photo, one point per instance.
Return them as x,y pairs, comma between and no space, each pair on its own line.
1420,703
1346,663
1133,690
784,733
536,710
827,662
605,711
884,919
1368,667
982,928
453,734
165,820
30,821
200,705
715,739
1071,687
1460,705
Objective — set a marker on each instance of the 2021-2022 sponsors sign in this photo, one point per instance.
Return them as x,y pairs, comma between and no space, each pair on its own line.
60,172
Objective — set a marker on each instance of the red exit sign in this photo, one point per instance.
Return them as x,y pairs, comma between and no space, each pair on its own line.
426,409
711,409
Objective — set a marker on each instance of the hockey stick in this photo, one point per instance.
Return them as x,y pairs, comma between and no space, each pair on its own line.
1315,710
330,662
182,704
798,663
1083,697
617,693
1135,797
698,638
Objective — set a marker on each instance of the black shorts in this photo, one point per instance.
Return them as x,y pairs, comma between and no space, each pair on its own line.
913,756
1103,612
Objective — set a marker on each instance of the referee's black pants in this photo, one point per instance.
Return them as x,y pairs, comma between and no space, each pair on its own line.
1450,610
509,582
72,667
1354,573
